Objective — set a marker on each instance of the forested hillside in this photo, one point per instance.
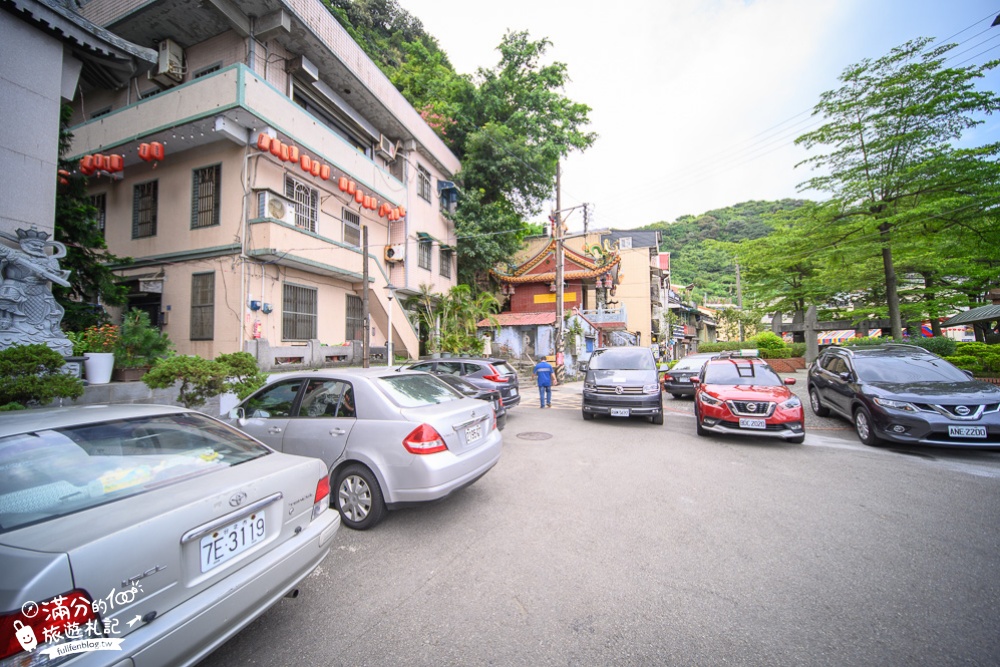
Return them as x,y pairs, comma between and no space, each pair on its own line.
694,257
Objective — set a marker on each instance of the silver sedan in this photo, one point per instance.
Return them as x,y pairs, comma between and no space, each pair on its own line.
389,437
146,534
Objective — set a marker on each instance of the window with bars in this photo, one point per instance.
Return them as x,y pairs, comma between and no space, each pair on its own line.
424,256
306,201
446,262
299,313
423,183
205,196
144,202
207,70
100,202
203,306
352,228
355,317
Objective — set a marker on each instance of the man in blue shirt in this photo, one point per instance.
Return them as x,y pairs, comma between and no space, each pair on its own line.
543,373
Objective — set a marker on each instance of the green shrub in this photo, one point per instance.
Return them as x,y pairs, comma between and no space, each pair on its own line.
725,346
797,349
765,353
243,376
139,342
767,340
200,379
33,376
966,362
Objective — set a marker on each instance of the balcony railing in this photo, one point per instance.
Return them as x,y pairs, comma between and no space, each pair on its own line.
602,315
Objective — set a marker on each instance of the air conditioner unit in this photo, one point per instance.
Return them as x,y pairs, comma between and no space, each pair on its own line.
270,205
386,148
395,253
169,64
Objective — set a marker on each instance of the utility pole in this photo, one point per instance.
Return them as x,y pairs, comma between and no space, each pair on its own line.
559,277
365,363
739,299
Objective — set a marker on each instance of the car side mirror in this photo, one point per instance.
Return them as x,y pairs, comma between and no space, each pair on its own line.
845,376
789,380
239,414
969,373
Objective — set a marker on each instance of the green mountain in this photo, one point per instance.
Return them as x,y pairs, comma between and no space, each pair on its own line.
696,258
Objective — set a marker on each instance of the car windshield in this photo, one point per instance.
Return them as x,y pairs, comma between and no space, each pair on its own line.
52,472
415,391
741,373
907,369
690,364
623,359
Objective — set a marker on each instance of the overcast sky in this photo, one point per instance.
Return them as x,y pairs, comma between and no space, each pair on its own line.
697,102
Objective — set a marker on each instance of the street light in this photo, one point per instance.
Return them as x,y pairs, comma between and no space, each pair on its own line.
390,291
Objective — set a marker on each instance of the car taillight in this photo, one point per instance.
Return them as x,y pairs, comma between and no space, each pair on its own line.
65,617
424,440
668,378
322,498
494,375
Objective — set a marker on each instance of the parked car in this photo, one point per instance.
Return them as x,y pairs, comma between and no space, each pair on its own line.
388,436
622,382
488,373
743,395
156,526
904,394
491,396
677,380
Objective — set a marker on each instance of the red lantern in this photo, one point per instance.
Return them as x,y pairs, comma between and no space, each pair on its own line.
351,188
324,172
293,153
157,150
276,148
305,162
99,162
145,152
284,153
382,209
367,202
359,196
402,211
314,169
263,142
342,183
115,163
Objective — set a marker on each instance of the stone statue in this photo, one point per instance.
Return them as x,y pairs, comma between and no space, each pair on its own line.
28,311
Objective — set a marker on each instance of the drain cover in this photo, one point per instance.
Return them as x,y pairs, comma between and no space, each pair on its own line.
534,435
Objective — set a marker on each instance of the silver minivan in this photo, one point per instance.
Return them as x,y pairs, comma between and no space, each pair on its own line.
623,382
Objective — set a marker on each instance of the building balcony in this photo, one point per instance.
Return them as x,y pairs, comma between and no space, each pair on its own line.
235,104
605,316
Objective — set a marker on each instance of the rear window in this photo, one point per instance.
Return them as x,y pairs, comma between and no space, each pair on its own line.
689,364
623,359
414,391
737,373
505,369
53,472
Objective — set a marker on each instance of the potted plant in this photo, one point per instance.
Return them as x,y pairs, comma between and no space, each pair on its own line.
97,345
139,345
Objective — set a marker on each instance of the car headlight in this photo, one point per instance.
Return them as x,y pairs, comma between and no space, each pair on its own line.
651,388
896,405
587,386
708,399
792,402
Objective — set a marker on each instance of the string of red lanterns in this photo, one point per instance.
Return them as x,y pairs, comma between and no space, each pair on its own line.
316,168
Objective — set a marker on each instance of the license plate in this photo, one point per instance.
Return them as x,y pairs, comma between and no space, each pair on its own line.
967,431
232,540
685,379
752,423
473,433
513,391
619,412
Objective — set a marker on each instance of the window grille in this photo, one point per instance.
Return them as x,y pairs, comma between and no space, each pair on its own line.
203,306
144,202
424,259
298,313
205,196
352,228
446,256
355,319
423,183
306,201
100,202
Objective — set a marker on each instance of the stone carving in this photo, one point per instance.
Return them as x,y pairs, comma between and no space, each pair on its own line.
28,311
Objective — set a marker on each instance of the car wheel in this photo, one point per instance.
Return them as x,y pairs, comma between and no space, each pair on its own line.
657,418
798,440
697,425
587,415
864,427
815,404
358,497
677,395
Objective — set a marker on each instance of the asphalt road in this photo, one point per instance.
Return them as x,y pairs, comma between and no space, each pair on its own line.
619,542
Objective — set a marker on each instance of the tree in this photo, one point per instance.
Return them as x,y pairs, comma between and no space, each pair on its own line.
892,173
87,256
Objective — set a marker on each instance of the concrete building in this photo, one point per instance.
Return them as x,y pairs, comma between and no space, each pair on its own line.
252,159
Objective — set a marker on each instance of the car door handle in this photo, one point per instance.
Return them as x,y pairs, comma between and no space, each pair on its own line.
274,430
337,431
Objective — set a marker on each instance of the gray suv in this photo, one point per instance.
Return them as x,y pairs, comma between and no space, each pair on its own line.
488,373
623,382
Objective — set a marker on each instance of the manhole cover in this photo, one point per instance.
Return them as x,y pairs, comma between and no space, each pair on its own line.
534,435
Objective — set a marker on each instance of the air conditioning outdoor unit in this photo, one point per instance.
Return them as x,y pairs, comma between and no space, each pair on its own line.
395,253
169,65
270,205
386,148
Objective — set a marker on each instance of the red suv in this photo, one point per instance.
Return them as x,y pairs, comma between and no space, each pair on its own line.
743,395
